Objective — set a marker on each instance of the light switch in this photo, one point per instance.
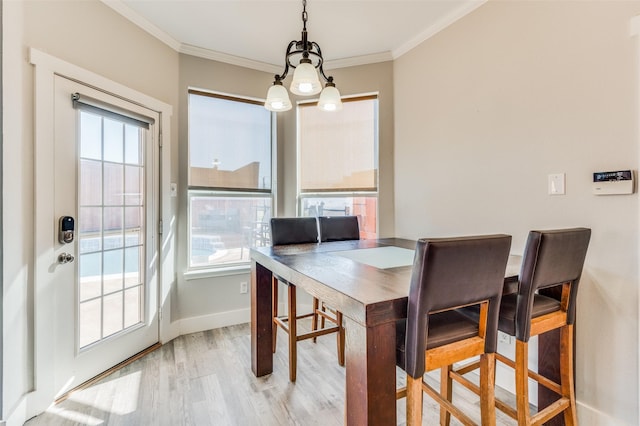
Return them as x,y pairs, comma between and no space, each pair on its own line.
556,184
174,189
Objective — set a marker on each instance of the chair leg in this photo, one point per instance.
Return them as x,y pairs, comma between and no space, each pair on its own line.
566,374
274,310
522,383
487,389
314,318
446,390
340,338
293,332
414,401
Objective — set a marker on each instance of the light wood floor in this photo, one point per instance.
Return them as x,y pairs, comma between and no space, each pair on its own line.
205,379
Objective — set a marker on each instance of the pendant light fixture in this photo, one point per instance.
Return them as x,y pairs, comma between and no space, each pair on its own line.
306,77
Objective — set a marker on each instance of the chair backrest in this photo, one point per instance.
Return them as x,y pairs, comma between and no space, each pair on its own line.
550,258
293,230
449,273
339,228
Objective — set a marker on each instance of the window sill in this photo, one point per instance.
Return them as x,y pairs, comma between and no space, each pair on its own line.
197,274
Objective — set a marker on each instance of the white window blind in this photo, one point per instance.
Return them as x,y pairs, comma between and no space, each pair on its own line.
229,143
338,151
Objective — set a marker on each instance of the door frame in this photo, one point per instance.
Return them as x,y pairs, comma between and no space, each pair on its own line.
45,68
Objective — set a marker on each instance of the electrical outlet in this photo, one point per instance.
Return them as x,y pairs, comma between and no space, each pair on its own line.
505,338
243,287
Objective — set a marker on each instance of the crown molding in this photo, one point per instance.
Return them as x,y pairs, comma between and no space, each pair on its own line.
440,25
143,23
124,10
358,60
200,52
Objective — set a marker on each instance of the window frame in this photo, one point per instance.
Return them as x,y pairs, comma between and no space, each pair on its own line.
215,192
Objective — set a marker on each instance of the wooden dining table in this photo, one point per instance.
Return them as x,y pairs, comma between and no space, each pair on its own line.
368,281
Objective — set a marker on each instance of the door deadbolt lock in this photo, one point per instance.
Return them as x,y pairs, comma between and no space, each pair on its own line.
66,226
65,258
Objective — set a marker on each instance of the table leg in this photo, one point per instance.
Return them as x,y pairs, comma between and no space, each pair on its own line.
261,320
549,366
371,374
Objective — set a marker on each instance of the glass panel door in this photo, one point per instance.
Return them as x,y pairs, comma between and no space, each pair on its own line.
111,203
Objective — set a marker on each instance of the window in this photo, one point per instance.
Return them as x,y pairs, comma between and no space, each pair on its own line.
338,162
230,185
112,204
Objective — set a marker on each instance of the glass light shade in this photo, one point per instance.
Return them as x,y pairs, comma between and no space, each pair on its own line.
330,99
277,99
305,80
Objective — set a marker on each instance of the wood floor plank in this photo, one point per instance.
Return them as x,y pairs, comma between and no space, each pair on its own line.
205,379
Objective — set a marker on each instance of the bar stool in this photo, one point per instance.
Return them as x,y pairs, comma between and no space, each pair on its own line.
552,260
448,274
335,228
298,230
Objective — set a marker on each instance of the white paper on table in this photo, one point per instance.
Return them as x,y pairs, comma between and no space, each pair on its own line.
380,257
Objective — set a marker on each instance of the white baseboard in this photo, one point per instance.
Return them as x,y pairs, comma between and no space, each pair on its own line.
590,416
224,319
19,414
217,320
169,330
587,415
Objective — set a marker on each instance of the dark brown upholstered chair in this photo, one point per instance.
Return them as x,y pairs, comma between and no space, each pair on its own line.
298,230
448,274
339,228
336,228
552,261
293,230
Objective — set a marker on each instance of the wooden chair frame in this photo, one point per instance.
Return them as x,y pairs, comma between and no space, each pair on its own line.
565,389
289,324
443,357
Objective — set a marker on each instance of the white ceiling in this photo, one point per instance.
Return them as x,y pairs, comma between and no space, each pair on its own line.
255,33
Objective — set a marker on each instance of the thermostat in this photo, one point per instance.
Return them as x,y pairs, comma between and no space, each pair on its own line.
613,183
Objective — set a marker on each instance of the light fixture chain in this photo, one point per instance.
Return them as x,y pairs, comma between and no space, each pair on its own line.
304,15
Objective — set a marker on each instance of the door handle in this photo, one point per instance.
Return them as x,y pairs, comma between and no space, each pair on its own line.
65,258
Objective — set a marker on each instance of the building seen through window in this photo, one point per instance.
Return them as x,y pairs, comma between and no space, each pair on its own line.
230,179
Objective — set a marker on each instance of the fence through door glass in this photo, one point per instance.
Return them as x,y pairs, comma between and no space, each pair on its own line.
111,203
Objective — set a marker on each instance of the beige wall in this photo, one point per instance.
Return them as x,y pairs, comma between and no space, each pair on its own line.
490,106
92,36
